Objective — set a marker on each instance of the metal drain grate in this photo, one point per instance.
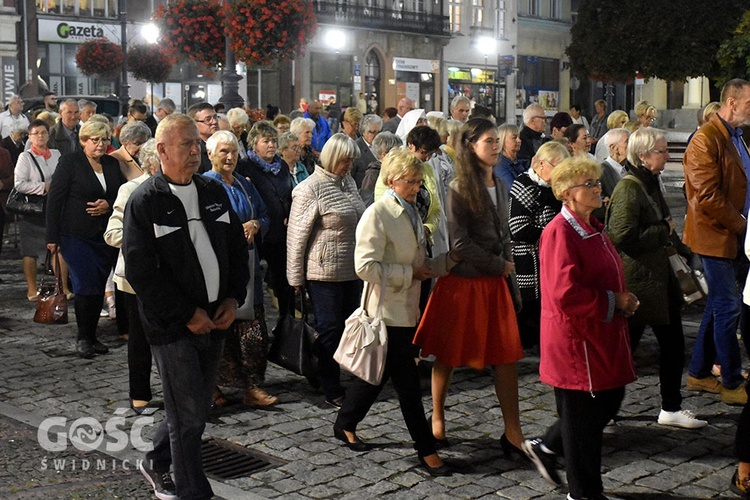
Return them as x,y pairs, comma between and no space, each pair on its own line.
225,460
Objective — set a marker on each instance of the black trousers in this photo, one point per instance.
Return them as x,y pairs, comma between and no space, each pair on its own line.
87,309
275,256
671,356
139,351
577,435
400,368
742,439
529,319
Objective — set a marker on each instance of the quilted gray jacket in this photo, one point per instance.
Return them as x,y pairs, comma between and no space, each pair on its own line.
322,223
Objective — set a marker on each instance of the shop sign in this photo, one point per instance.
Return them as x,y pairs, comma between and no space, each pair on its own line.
58,31
416,65
9,77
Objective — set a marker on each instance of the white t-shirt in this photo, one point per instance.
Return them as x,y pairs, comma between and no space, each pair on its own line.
188,195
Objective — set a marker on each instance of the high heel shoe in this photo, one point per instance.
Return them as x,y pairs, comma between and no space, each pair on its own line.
357,445
509,448
440,471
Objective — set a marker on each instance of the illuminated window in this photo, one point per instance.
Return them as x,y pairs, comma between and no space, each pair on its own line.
93,8
477,12
454,14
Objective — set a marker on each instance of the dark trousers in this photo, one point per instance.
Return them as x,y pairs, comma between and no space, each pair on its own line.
529,319
87,309
742,439
671,356
577,435
123,317
188,369
139,350
400,368
275,256
332,302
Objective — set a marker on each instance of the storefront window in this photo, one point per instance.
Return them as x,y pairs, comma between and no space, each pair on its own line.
57,67
93,8
480,86
538,82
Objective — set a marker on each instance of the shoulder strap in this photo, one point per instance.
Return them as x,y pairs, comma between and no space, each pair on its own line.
651,201
37,166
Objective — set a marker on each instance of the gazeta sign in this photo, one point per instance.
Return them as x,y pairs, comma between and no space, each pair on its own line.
65,31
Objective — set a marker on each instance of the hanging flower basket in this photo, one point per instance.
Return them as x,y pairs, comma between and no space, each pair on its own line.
264,31
99,57
150,63
192,29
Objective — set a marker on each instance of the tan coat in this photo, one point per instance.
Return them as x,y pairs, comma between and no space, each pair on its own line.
715,186
386,243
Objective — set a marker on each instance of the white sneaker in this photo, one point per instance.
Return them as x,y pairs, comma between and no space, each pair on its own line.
683,418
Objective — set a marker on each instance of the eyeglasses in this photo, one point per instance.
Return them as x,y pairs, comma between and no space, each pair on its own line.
658,151
409,183
541,117
371,132
588,184
209,119
97,140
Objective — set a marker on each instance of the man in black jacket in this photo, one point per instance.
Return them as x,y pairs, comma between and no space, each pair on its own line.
532,134
186,258
63,135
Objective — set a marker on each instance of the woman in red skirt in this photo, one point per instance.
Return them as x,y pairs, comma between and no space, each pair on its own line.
470,319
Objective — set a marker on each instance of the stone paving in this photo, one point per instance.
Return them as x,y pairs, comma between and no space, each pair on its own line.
40,377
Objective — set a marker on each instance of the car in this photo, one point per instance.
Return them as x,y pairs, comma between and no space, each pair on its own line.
104,104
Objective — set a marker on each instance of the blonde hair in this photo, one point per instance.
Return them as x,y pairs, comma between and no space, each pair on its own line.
617,119
566,174
710,110
552,151
93,129
398,163
164,129
643,108
641,142
337,148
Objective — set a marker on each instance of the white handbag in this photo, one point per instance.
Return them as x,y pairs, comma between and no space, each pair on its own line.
364,344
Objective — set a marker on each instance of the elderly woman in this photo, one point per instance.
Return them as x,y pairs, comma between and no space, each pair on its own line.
381,146
532,207
585,349
580,140
391,249
350,121
139,350
303,128
369,127
470,320
270,176
616,120
325,210
33,174
244,362
641,228
238,121
282,123
645,113
132,136
509,166
83,190
290,149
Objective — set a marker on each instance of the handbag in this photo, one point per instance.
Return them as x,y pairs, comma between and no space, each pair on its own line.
293,340
247,310
364,345
27,204
693,284
52,304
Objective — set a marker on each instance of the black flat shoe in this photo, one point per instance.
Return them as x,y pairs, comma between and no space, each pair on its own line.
357,445
440,471
336,402
84,349
509,448
100,348
151,408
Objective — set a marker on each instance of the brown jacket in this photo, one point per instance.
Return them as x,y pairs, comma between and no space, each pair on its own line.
715,186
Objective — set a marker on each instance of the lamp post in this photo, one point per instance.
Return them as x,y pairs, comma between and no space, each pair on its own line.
150,33
124,85
487,45
335,39
230,80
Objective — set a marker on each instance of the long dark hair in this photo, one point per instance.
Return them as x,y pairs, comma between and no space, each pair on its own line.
468,180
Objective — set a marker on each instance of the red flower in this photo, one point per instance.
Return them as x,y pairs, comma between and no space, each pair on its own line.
99,56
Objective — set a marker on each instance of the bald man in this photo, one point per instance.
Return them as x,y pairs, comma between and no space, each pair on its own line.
404,106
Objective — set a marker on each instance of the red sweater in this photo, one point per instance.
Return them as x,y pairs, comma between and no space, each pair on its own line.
585,343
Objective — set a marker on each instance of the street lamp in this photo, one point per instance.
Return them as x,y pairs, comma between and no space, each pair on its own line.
230,79
487,45
150,33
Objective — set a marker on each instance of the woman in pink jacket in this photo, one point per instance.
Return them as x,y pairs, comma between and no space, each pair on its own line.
585,346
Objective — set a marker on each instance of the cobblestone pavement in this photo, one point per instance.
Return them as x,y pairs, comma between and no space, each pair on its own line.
40,377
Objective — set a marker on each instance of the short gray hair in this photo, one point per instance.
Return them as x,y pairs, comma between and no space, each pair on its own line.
166,103
614,135
300,123
338,147
286,139
237,116
531,111
460,99
370,119
384,142
82,103
642,142
148,155
221,137
134,132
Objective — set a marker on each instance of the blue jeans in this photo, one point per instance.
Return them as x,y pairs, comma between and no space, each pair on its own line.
333,302
188,369
717,335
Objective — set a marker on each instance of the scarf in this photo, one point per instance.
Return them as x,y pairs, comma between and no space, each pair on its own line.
272,168
44,154
535,177
411,211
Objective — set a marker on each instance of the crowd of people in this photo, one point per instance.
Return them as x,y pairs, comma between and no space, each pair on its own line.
474,241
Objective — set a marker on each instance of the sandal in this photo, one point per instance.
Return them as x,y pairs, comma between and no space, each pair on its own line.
218,399
258,397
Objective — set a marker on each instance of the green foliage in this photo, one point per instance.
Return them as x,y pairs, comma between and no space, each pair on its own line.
614,39
734,53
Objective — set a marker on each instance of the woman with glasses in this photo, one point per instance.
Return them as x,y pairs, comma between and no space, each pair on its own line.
33,174
290,151
470,319
645,113
325,210
83,190
532,207
641,228
585,349
132,136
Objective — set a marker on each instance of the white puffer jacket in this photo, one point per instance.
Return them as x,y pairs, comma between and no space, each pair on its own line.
322,226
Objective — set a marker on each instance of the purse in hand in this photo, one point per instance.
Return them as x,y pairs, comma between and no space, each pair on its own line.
692,282
52,304
293,340
364,344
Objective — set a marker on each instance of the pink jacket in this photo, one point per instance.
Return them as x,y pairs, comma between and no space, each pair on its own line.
585,343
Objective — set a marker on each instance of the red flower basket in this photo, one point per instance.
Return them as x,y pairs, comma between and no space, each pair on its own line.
99,57
263,31
150,63
192,29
